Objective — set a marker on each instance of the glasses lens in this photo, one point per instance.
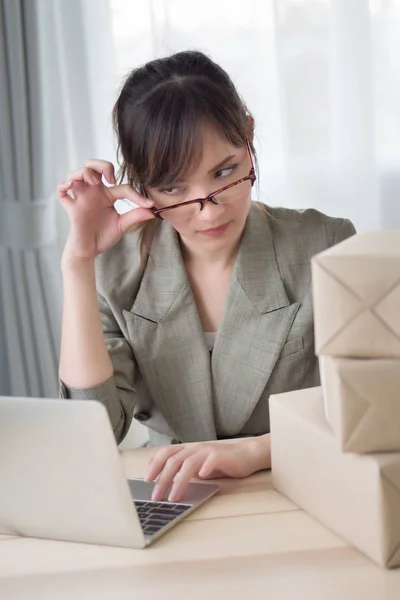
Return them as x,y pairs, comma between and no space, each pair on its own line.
181,213
240,191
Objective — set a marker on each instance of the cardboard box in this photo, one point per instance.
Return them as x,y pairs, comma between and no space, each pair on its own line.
362,400
356,291
355,495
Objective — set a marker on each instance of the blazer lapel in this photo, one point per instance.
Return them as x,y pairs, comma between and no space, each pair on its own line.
254,327
168,342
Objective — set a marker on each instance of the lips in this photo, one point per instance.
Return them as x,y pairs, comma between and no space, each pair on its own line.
215,231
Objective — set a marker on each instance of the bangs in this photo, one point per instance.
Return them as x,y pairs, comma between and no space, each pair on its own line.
169,140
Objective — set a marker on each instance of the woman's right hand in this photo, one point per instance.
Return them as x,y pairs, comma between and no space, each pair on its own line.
95,224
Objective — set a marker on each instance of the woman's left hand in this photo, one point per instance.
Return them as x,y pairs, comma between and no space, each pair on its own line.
178,464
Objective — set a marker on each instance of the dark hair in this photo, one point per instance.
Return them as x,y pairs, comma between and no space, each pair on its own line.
161,111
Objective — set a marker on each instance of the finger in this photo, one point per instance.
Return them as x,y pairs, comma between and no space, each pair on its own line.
137,215
119,192
104,167
210,465
159,460
86,175
167,475
221,464
148,466
63,189
188,470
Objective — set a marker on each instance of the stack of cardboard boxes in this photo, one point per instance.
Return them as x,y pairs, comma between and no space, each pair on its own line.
336,449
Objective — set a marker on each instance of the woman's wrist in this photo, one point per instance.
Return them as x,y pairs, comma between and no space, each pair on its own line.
70,263
259,451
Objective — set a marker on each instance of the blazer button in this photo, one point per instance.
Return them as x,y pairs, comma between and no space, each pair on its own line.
142,417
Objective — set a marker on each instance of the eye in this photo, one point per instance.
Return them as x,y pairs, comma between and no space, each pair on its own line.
172,191
225,172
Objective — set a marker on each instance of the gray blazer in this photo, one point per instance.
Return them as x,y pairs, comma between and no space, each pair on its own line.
163,374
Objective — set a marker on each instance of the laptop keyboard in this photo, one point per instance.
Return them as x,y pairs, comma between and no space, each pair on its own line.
154,516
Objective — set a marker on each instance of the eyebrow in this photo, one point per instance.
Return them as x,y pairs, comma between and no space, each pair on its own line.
222,163
218,166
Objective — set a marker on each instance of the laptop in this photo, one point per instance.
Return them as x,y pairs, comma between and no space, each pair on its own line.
61,478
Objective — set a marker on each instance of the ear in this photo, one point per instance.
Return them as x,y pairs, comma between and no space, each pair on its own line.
250,133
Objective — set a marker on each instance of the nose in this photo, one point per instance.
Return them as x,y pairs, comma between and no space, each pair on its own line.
211,211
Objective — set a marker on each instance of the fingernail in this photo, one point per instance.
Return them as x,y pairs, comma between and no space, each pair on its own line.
155,495
149,202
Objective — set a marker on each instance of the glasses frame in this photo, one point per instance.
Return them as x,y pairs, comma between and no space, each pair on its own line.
210,198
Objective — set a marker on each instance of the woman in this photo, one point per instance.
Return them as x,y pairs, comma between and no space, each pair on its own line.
201,306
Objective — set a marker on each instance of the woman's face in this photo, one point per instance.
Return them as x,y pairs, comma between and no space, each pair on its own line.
217,225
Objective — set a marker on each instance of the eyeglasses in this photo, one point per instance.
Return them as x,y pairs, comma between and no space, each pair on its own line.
238,190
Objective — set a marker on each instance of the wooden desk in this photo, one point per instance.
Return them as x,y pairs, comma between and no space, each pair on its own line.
247,540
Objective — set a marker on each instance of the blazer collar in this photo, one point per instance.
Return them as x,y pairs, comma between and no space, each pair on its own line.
254,327
256,269
164,278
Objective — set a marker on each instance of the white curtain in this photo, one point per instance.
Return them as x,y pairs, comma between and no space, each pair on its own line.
321,77
46,128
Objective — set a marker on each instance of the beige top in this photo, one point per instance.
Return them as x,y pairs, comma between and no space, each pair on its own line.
210,339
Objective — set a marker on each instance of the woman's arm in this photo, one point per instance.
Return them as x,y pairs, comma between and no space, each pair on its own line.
84,359
177,465
96,361
84,369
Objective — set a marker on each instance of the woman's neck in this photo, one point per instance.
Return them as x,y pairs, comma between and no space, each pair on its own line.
200,257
